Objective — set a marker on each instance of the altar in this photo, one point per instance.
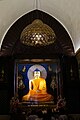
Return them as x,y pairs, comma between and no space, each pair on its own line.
27,107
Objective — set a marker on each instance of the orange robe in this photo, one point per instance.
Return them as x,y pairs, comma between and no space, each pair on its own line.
37,91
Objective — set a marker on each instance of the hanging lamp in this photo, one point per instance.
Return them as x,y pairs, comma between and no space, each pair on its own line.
37,33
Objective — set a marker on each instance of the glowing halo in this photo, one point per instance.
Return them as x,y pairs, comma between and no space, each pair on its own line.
34,67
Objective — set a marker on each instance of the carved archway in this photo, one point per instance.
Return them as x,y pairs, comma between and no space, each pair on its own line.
11,44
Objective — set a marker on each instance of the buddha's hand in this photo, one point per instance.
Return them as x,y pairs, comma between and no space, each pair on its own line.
38,91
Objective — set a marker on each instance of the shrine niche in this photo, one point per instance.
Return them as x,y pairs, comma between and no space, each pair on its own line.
38,81
37,86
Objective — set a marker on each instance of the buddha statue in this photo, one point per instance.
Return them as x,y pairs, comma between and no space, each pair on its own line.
37,89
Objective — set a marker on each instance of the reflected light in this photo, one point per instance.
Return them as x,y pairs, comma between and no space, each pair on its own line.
77,46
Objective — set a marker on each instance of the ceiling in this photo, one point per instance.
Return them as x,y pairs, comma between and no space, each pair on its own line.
66,12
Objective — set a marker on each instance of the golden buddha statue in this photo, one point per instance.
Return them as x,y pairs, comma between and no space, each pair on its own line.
37,89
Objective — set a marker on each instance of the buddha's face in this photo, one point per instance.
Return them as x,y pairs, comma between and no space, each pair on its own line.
36,74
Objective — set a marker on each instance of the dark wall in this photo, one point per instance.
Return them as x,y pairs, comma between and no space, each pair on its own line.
6,83
71,83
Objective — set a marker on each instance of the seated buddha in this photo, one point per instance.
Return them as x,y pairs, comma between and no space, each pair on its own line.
37,89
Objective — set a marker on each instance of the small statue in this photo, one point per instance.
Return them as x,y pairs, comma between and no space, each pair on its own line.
20,82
